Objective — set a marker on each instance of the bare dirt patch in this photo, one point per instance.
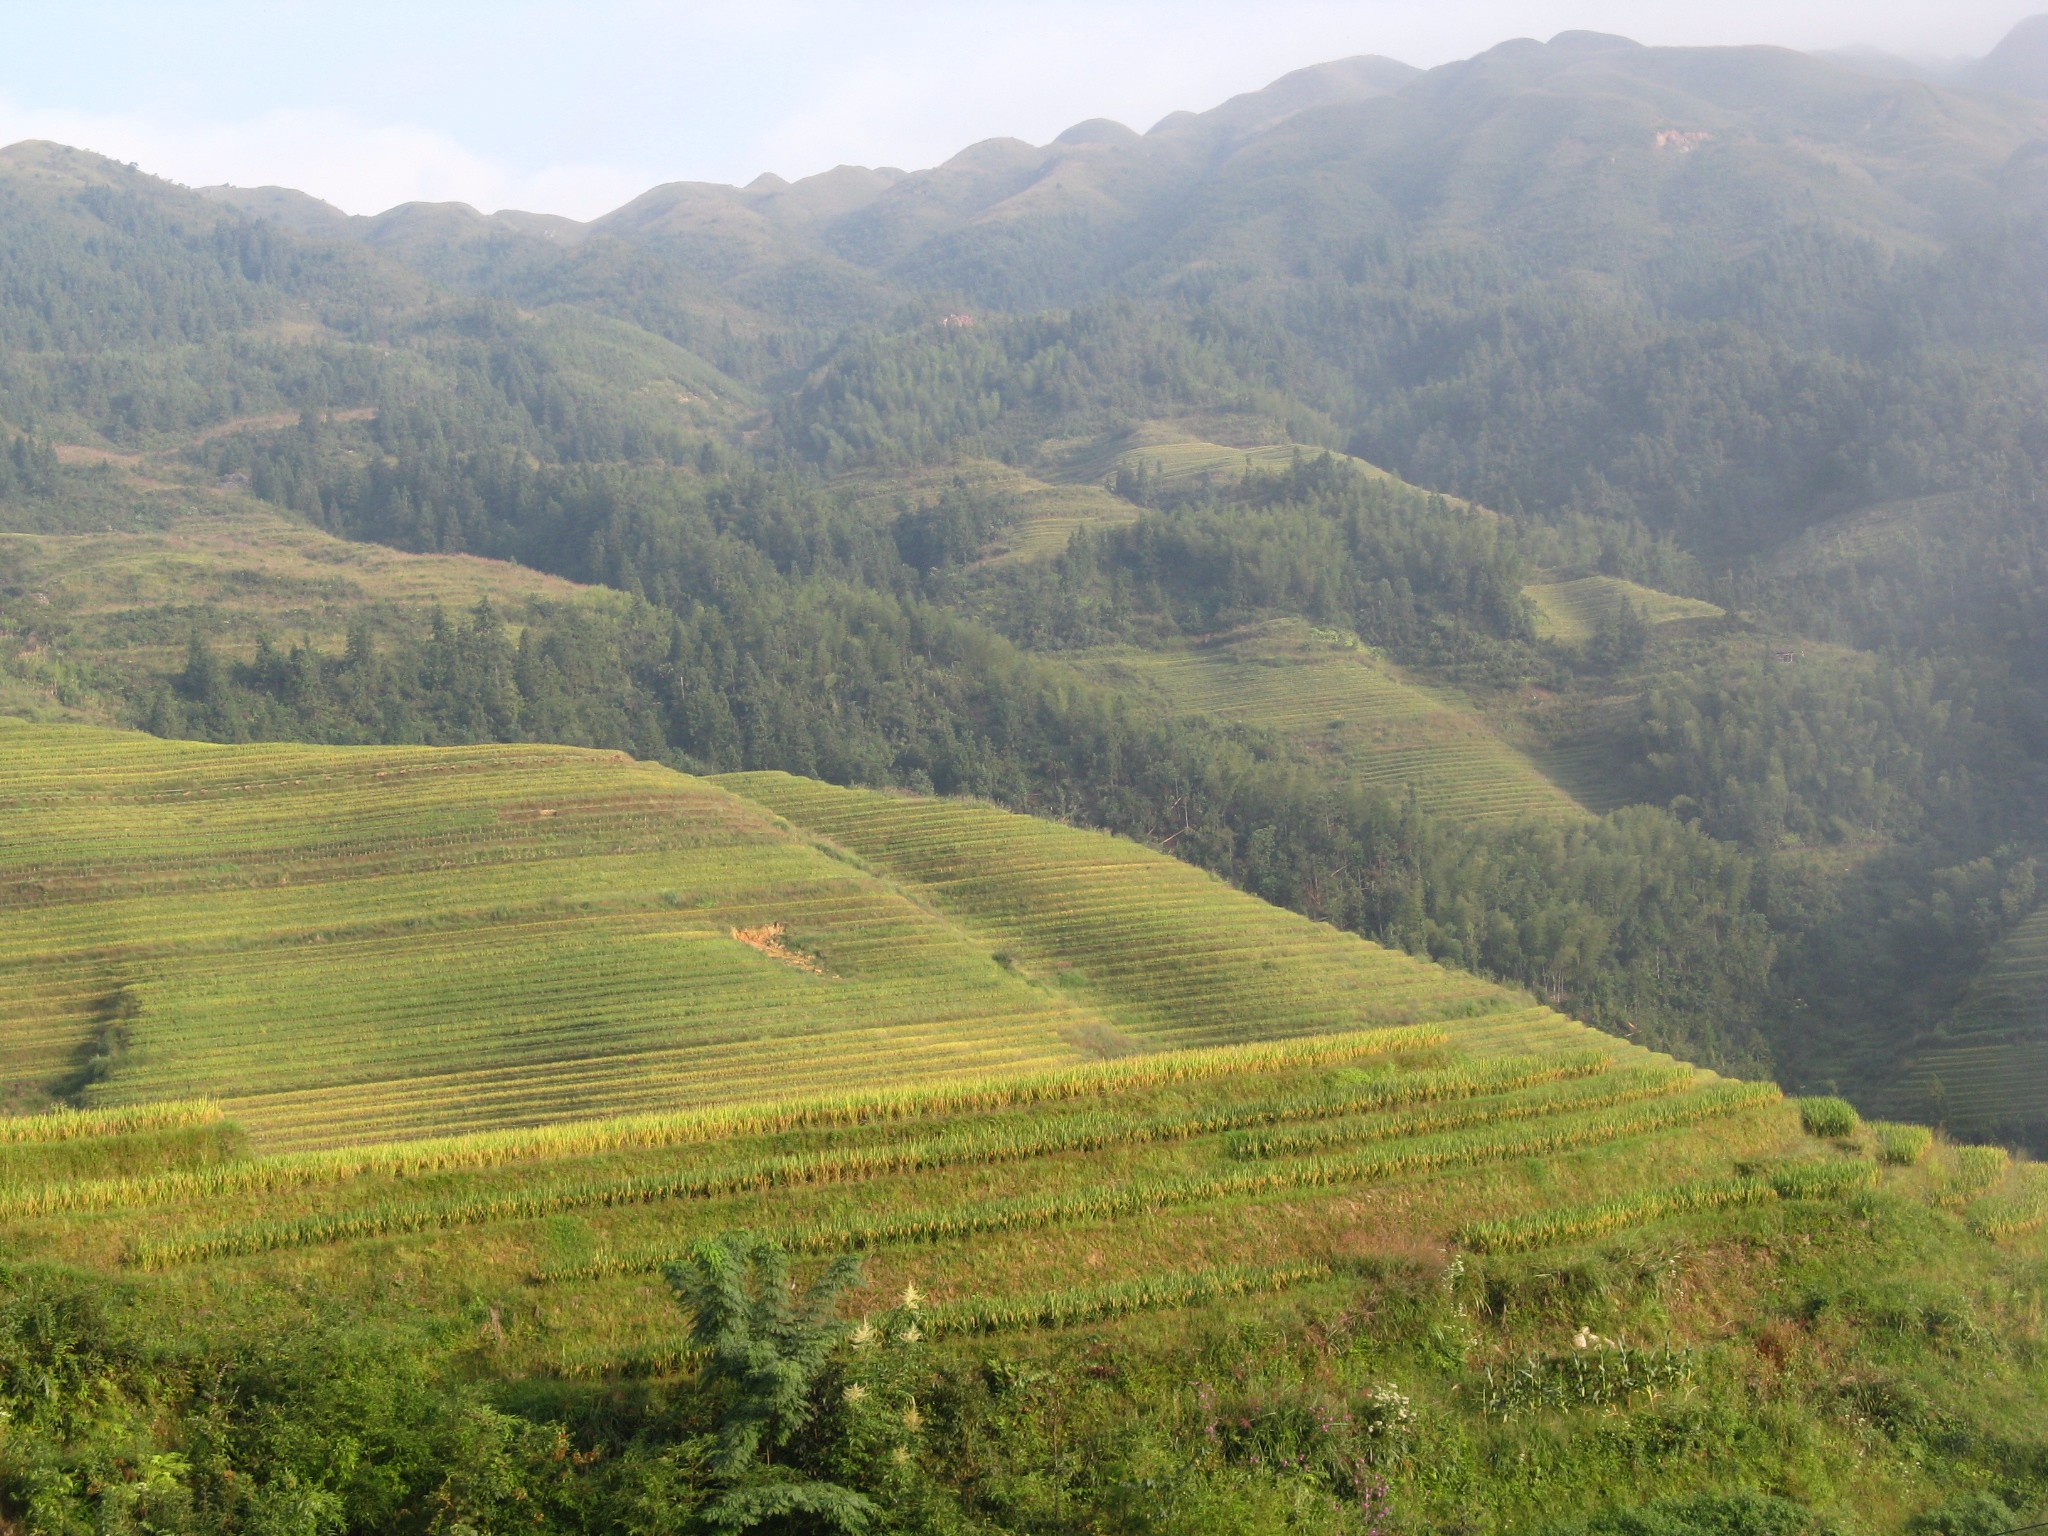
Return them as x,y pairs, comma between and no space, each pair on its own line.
770,939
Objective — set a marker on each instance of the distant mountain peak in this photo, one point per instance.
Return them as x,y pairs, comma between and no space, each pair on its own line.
1098,130
2019,63
1581,41
1353,79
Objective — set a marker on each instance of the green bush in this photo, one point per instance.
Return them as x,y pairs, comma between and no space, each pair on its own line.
1828,1116
1902,1145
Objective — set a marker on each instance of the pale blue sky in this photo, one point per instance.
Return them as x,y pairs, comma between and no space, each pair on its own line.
573,108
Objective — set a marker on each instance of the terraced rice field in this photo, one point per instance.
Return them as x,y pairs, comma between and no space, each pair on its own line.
341,944
2010,995
348,944
1329,693
1020,1201
1996,1072
1050,1077
1167,953
1569,612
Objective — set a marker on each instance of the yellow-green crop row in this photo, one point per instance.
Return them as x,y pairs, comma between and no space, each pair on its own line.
2022,1210
958,1222
1085,1134
1015,1314
492,1149
91,1124
981,1218
1555,1098
1565,1224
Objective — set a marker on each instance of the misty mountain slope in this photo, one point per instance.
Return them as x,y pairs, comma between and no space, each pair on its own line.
2019,63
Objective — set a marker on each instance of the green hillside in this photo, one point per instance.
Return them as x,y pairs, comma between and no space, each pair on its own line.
1570,612
1326,691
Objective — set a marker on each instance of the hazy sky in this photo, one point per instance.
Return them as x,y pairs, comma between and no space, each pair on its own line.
575,107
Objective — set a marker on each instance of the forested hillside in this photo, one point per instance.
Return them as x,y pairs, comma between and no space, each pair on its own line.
1658,432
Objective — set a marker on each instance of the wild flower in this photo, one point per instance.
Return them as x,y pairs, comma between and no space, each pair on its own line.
901,1455
912,1419
913,1298
865,1336
1388,1411
855,1394
911,1334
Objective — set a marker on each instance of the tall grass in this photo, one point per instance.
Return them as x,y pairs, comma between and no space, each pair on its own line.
1594,1377
1972,1171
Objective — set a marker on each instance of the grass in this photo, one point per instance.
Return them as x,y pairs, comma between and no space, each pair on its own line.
1325,690
1569,612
